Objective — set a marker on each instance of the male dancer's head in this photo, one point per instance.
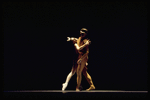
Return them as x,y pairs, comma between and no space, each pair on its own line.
83,32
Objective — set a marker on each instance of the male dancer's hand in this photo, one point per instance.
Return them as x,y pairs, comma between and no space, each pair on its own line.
86,64
88,42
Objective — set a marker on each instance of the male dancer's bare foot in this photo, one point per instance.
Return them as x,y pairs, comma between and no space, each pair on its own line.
77,89
64,85
92,87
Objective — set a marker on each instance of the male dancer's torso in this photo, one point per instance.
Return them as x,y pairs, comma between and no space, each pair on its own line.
80,42
79,54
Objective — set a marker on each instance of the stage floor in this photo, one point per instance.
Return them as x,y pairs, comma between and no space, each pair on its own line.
66,91
74,94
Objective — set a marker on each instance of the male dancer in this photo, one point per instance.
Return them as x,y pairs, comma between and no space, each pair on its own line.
80,64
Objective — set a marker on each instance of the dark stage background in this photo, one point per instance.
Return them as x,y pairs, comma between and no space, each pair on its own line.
37,55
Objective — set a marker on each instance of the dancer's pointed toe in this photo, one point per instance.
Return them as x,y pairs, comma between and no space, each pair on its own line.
64,85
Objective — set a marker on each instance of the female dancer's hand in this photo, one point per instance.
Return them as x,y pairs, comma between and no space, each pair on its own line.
79,61
68,38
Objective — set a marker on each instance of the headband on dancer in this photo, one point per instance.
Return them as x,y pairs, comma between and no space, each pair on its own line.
84,30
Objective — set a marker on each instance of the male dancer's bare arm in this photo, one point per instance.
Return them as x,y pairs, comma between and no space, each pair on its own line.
84,45
81,47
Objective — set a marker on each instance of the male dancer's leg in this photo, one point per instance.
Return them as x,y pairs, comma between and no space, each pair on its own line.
68,78
88,78
79,72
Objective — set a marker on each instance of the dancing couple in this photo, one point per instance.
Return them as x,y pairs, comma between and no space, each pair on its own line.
81,45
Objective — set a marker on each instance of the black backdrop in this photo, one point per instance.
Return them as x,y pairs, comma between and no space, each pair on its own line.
37,55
